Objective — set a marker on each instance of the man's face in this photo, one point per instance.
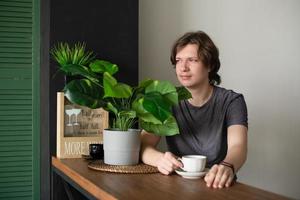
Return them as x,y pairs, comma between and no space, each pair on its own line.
190,70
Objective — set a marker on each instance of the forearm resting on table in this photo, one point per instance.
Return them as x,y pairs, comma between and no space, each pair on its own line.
149,154
236,156
237,146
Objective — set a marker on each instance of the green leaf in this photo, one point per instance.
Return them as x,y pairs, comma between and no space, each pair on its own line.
65,54
166,89
145,83
157,106
172,98
130,114
168,128
111,108
143,114
183,93
142,86
163,87
84,92
101,66
114,89
74,70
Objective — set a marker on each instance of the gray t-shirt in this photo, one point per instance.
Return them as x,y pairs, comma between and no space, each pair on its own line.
203,130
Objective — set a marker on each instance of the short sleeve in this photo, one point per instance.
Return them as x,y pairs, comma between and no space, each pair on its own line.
236,113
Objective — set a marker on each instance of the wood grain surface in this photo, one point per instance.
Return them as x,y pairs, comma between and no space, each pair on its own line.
105,185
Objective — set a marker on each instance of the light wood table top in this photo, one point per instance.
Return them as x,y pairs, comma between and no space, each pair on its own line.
104,185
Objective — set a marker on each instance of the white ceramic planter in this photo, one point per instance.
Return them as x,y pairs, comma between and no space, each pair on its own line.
121,147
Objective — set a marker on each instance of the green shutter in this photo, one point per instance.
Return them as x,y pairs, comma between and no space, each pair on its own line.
19,99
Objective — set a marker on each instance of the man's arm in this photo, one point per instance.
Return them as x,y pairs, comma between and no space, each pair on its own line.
149,154
165,162
237,146
220,175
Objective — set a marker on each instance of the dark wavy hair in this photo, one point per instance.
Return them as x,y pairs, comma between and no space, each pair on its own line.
208,53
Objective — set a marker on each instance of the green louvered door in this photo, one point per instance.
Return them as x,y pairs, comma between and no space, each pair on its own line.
19,99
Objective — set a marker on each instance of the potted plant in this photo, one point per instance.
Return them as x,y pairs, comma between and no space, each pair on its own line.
93,85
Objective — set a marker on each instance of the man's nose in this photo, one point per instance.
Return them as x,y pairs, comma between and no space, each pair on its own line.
185,66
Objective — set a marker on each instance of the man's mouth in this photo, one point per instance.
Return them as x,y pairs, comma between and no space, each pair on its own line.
185,77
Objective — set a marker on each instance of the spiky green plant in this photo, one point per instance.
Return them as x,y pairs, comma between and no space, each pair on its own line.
65,55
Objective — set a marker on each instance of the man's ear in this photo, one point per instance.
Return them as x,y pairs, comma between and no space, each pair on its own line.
209,69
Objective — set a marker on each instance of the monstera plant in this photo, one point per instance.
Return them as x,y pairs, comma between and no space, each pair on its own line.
92,84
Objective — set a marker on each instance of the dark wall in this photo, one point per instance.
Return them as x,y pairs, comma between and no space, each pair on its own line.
109,28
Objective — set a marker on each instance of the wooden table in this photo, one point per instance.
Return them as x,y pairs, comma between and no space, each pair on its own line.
103,185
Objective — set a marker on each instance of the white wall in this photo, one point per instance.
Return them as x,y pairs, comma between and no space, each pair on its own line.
259,42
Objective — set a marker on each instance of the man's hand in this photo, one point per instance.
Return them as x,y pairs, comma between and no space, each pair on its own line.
219,176
167,163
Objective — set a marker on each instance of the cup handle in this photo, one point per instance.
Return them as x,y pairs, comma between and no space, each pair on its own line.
180,159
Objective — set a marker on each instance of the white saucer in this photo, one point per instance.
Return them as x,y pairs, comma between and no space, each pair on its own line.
191,175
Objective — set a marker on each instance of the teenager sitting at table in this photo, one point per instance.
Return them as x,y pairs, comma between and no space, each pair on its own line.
212,123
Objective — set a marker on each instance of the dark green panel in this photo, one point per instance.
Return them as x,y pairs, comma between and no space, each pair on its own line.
15,84
17,91
4,180
5,13
9,143
16,128
16,117
14,19
21,4
15,29
15,189
13,195
16,96
15,171
17,183
17,133
16,40
15,107
19,99
15,9
16,24
15,50
15,60
15,164
16,154
15,101
15,54
15,66
15,159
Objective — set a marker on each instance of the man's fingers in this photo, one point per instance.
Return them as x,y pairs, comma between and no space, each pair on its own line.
176,162
172,158
224,179
229,181
162,170
210,176
218,176
214,169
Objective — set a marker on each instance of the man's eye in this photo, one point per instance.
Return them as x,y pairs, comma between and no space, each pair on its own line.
193,60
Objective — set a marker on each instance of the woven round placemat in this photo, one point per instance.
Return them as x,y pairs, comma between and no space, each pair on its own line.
126,169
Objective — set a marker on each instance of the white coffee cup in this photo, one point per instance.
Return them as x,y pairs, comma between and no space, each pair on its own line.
193,163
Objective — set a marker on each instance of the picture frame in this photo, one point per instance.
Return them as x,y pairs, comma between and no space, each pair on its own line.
77,127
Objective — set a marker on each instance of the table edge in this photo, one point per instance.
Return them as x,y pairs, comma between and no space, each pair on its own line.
87,185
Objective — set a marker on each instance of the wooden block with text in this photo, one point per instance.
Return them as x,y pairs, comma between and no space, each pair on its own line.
77,127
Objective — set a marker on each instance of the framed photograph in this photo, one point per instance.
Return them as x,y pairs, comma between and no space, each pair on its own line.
77,127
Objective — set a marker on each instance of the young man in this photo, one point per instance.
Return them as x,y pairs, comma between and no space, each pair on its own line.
212,123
